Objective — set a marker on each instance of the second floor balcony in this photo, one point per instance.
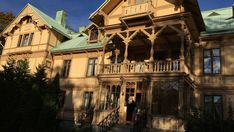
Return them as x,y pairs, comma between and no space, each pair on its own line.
169,66
138,9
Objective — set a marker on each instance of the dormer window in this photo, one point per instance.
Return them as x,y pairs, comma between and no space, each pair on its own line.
93,36
25,40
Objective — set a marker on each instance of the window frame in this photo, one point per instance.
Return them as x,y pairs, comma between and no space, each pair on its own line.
29,40
66,68
90,99
213,104
25,40
212,63
19,40
97,35
95,67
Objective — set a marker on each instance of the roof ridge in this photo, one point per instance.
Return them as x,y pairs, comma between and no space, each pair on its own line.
51,22
37,10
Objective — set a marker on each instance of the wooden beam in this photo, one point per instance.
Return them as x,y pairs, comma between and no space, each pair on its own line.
121,36
121,19
145,32
112,36
134,34
103,13
160,31
176,29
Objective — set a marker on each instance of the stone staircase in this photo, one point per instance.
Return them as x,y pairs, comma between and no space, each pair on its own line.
121,128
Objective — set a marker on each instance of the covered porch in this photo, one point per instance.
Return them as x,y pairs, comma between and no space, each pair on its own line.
145,50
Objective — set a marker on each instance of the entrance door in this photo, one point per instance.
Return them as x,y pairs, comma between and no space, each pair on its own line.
133,98
130,101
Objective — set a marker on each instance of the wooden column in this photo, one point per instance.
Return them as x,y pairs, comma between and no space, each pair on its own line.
149,104
122,110
182,53
103,57
152,40
126,42
117,52
98,106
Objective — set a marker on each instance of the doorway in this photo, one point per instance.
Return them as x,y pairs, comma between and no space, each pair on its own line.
133,99
131,105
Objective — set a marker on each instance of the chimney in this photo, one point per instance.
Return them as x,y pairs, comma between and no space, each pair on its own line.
81,29
61,18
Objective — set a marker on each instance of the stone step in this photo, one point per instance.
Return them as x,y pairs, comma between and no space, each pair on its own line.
121,128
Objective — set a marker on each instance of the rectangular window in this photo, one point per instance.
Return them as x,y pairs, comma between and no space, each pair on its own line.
94,35
19,41
213,106
66,68
25,40
211,61
30,39
92,67
87,99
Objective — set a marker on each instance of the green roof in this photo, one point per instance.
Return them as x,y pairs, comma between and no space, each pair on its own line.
218,21
51,22
78,43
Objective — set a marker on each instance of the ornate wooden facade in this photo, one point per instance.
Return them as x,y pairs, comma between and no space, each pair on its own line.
165,55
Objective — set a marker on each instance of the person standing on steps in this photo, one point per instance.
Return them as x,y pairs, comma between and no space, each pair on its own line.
130,109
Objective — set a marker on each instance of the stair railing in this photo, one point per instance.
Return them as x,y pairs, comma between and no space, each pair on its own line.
109,121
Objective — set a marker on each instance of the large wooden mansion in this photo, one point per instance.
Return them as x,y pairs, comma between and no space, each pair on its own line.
157,57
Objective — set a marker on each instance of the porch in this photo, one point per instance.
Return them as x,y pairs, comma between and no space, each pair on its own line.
163,49
160,104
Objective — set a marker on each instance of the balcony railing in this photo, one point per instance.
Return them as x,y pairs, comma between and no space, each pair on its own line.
137,9
138,67
112,68
167,66
143,67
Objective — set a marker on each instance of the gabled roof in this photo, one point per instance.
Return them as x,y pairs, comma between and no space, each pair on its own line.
110,4
218,24
99,8
79,43
51,22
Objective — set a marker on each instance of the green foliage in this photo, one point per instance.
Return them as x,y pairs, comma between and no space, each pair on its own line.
29,103
5,19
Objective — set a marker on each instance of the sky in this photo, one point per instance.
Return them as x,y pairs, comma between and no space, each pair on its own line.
79,10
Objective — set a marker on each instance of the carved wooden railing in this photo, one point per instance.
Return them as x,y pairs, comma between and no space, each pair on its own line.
112,68
138,67
109,121
143,67
167,66
137,9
